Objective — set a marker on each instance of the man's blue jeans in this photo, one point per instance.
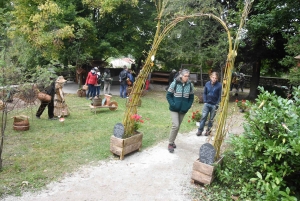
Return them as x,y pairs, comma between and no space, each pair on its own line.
123,88
207,109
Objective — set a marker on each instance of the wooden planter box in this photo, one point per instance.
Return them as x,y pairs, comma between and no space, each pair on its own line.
121,147
204,173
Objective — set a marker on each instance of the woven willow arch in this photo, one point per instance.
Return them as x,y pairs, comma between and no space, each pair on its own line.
138,86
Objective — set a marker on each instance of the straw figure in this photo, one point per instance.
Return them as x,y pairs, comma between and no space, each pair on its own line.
60,107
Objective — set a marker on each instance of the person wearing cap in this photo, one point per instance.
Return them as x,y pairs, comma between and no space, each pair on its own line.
123,84
91,81
50,90
60,107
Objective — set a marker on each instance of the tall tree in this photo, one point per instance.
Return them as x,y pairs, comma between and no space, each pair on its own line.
269,24
125,30
195,40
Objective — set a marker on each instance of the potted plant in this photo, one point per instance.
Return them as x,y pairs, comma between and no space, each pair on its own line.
241,104
196,116
126,145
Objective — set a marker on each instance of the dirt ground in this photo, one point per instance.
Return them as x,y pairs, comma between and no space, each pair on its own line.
152,174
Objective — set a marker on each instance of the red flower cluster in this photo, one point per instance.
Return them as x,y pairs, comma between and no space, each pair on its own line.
241,104
196,116
137,120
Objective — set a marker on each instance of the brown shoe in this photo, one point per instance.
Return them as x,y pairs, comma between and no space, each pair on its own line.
199,133
171,148
207,133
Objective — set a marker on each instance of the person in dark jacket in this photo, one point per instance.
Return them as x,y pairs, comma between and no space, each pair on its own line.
211,98
180,97
50,90
242,81
123,84
107,81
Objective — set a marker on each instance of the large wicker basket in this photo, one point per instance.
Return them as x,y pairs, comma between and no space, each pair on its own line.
81,93
43,97
21,123
85,87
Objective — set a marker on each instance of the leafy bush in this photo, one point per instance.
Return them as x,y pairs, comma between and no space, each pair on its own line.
279,91
263,163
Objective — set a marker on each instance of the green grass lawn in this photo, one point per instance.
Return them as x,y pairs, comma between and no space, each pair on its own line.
50,149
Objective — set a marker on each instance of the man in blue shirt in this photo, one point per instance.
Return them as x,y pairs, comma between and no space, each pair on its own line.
211,98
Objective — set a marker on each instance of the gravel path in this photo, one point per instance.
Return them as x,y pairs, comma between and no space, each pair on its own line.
152,174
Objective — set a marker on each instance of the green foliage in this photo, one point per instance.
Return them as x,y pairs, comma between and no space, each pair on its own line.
194,44
264,162
294,76
292,47
278,90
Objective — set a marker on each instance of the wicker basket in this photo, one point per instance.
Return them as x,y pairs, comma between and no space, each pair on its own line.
81,93
85,87
97,102
21,123
44,97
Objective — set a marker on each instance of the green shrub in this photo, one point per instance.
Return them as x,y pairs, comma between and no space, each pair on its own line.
264,163
282,92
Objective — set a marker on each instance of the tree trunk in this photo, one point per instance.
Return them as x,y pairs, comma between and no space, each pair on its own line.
3,127
254,82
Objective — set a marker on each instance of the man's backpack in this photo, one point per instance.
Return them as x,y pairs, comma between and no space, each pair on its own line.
123,75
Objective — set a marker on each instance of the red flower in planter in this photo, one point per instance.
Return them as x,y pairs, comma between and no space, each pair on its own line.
137,121
196,116
241,104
